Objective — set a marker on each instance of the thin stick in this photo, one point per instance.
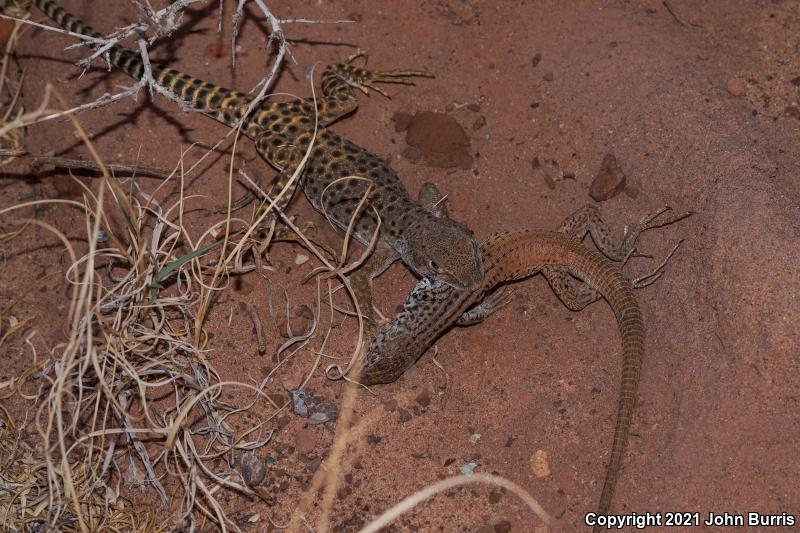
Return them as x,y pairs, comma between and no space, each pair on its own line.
62,162
412,501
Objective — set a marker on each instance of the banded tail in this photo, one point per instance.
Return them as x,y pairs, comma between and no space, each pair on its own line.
218,102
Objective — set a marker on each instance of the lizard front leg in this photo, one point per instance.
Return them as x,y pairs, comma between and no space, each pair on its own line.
432,200
361,281
279,151
338,83
587,219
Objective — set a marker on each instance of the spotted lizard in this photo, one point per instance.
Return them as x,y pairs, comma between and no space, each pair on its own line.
433,307
433,247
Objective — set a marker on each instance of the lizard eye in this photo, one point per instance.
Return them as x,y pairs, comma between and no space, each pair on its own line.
433,265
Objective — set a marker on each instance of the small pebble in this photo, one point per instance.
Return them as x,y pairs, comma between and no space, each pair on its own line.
548,76
479,123
468,469
300,259
305,440
474,438
474,107
537,58
540,464
315,407
299,406
736,87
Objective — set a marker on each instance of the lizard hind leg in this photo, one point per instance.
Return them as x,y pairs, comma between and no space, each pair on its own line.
588,220
364,79
576,294
361,281
280,152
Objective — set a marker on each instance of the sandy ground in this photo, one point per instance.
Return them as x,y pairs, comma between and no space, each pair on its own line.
700,109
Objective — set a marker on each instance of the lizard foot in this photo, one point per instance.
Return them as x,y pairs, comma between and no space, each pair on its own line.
650,277
653,220
491,303
364,79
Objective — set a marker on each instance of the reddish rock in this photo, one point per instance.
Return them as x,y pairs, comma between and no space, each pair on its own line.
305,440
437,140
293,380
609,181
736,87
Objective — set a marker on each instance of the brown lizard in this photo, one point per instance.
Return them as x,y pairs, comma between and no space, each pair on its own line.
432,307
432,246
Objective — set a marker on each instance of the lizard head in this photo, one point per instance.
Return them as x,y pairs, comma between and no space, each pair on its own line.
445,250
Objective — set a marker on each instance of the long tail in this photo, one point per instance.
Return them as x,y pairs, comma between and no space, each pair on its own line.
631,327
200,94
516,255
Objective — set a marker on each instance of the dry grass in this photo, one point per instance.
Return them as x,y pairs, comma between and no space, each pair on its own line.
129,398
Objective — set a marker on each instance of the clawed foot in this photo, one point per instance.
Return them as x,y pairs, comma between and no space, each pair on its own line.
490,303
652,221
647,279
364,79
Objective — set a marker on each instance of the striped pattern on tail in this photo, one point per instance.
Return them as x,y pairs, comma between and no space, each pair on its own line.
220,103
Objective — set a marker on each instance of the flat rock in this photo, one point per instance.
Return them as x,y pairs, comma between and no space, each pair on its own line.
305,440
609,181
435,139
